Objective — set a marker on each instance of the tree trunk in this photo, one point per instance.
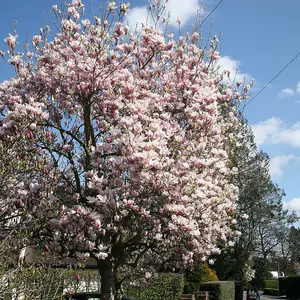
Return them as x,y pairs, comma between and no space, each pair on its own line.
108,289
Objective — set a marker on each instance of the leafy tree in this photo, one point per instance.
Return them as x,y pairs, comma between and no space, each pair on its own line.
272,232
260,214
286,255
254,183
129,133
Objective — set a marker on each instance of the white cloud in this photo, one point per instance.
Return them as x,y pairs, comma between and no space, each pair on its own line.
298,88
185,9
286,93
227,63
277,164
274,131
294,204
266,131
138,16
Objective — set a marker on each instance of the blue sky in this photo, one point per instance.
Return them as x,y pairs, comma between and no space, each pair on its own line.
258,38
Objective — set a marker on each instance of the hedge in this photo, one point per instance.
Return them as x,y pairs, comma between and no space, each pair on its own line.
271,292
271,284
219,290
292,284
238,290
282,285
165,286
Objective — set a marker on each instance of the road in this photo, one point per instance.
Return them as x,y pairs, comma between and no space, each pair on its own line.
265,297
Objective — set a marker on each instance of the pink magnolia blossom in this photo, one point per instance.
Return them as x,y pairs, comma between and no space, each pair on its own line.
71,10
124,7
86,22
36,40
179,20
111,5
77,3
11,41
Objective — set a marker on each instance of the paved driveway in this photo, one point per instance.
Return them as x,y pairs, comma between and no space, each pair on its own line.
265,297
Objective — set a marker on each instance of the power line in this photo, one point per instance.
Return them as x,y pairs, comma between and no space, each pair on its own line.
258,93
208,16
290,62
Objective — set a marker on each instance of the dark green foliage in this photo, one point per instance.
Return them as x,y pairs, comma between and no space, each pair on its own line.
238,290
292,284
165,286
282,285
271,284
294,239
271,292
219,290
200,274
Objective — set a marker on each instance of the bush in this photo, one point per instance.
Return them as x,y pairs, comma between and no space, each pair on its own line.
282,285
271,292
271,284
219,290
165,286
292,284
200,274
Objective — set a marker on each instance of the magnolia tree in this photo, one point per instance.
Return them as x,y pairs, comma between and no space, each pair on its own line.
128,134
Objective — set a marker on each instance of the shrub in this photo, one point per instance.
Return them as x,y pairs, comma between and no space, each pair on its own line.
271,292
165,286
282,285
292,284
219,290
200,274
271,284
